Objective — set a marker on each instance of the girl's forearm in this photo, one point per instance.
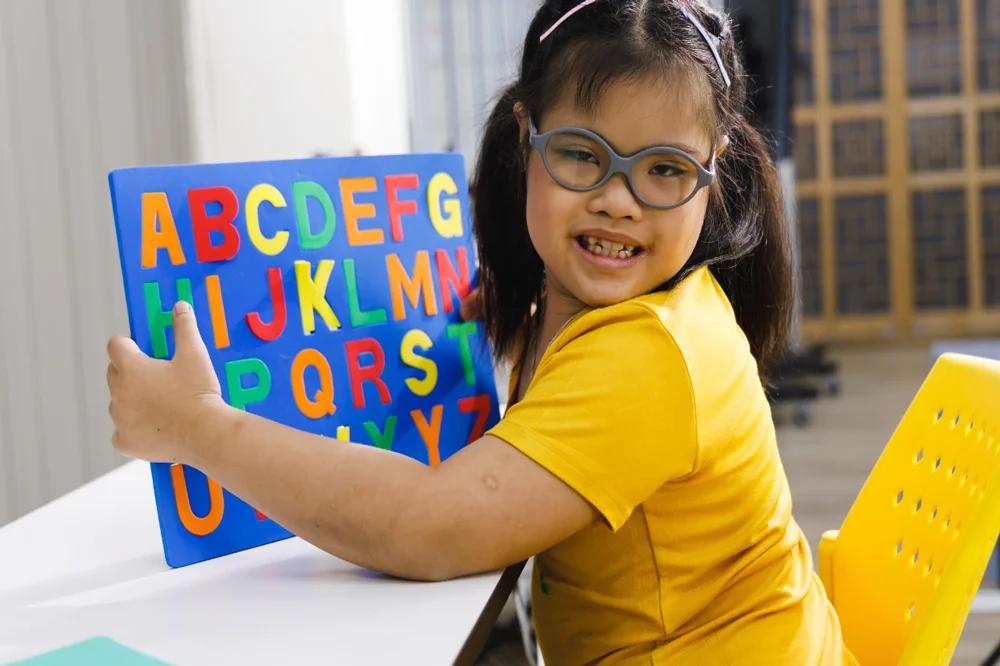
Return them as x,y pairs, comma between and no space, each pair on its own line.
359,503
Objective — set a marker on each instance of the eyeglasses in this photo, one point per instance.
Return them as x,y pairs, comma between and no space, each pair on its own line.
660,177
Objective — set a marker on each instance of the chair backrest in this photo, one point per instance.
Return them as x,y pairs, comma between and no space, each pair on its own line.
914,547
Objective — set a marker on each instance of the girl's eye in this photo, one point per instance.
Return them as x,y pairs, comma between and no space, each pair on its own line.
667,170
579,155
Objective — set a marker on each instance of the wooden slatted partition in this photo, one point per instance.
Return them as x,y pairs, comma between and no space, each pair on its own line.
897,148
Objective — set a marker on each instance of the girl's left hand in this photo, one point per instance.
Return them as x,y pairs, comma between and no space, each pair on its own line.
472,306
156,404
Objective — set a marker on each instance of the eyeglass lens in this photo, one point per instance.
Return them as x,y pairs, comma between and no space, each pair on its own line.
660,178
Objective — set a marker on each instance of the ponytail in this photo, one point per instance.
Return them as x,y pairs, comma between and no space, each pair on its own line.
745,238
510,270
746,232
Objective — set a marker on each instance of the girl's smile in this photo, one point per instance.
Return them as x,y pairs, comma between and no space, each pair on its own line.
609,250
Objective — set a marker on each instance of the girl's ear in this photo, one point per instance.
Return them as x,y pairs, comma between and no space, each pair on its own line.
723,145
522,119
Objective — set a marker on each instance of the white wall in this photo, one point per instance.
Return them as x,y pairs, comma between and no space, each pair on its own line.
376,63
298,77
85,87
290,79
266,79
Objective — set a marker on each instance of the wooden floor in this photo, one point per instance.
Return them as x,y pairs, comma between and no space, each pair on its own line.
828,461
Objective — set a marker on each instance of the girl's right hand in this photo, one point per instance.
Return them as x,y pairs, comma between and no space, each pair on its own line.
472,306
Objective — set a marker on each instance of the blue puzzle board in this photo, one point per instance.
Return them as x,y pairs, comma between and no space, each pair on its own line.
327,291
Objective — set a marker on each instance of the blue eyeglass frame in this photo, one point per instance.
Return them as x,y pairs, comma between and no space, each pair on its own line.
620,164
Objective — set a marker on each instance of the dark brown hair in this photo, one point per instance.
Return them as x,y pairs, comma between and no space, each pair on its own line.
744,238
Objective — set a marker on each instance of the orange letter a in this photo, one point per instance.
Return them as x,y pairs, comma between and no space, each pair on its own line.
156,207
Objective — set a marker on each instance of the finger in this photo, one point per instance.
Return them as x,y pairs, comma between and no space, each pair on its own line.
187,338
121,350
471,307
113,376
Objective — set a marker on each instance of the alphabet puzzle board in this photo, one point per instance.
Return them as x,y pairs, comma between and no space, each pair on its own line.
327,291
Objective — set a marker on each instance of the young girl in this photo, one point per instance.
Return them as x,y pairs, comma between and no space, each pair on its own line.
634,265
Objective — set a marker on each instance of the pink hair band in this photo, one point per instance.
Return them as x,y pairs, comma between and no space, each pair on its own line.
564,17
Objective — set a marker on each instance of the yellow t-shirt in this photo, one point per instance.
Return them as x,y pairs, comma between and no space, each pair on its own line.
653,411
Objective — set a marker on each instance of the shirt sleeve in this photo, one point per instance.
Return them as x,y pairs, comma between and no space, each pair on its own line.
610,411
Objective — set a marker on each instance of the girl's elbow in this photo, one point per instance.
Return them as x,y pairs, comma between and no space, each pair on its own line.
454,554
421,553
435,571
433,566
429,541
431,557
436,555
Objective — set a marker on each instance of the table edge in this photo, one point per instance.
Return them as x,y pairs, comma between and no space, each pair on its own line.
474,643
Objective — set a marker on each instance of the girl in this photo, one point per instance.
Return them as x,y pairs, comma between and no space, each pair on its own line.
634,265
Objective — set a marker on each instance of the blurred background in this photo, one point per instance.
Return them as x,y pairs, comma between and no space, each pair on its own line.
884,116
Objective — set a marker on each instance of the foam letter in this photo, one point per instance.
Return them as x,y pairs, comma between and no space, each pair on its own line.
219,327
400,282
312,295
431,432
382,440
301,189
240,397
412,339
371,373
270,332
358,316
158,318
259,194
155,207
451,226
355,211
399,208
447,278
203,225
344,433
323,404
192,523
462,332
481,405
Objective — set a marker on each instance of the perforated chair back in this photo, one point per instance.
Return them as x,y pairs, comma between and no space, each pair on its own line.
906,563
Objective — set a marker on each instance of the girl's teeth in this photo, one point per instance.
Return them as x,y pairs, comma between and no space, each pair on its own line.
608,249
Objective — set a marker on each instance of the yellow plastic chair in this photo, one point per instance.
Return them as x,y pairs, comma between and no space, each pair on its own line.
905,565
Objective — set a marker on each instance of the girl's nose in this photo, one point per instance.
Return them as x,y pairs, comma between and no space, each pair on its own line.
615,199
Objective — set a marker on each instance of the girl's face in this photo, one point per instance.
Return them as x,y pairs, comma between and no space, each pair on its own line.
579,235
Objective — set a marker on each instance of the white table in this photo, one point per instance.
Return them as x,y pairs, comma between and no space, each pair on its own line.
90,564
